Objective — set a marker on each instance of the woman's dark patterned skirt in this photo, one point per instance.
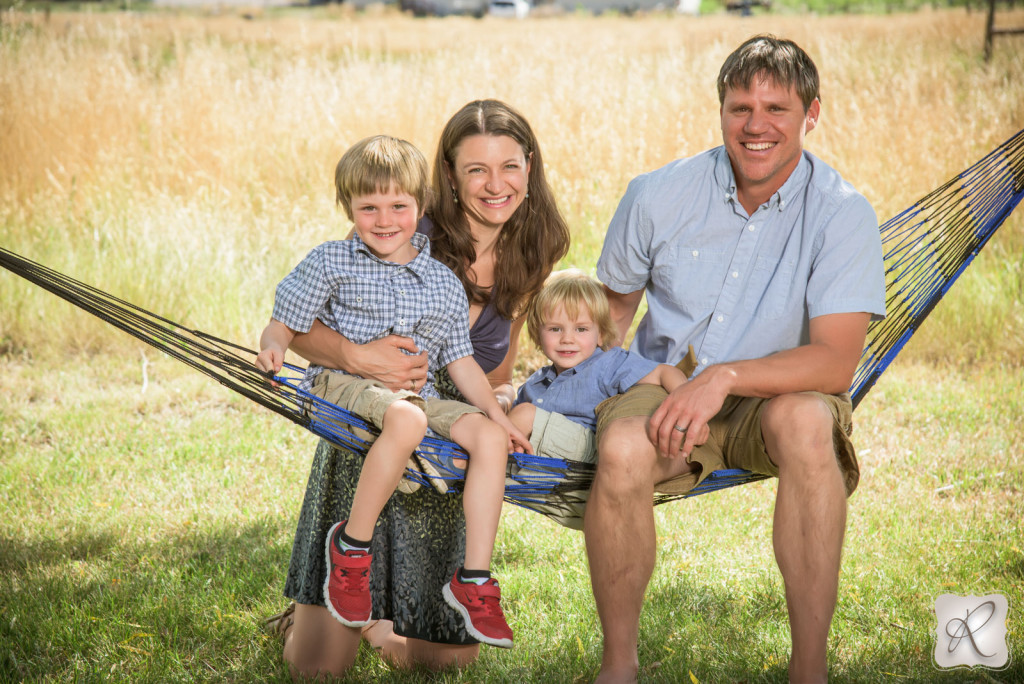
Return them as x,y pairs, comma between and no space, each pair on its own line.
419,542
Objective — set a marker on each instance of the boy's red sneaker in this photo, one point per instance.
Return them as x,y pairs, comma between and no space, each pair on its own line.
480,606
347,587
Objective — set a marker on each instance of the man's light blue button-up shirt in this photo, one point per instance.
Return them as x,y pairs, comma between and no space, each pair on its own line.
733,285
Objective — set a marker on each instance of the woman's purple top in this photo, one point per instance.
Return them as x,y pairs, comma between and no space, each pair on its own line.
490,333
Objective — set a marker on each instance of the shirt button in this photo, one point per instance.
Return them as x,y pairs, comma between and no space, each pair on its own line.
735,274
695,252
751,227
540,401
359,299
720,319
401,321
704,361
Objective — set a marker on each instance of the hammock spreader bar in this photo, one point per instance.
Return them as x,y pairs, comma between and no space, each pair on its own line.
926,248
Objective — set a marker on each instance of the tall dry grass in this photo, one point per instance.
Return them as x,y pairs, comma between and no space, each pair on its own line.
184,162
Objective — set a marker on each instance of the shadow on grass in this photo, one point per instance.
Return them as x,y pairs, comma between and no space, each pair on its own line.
179,607
718,635
1012,569
708,631
102,606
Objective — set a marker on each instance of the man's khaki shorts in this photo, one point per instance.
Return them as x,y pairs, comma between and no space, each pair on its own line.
735,439
555,436
370,399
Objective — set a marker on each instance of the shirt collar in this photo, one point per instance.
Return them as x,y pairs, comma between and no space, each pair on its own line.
723,175
548,374
419,263
794,185
781,199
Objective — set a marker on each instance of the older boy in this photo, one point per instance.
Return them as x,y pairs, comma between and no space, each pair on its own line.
382,281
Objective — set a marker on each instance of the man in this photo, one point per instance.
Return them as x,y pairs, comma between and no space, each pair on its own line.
762,259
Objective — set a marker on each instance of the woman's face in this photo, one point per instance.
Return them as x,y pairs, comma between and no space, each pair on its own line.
490,176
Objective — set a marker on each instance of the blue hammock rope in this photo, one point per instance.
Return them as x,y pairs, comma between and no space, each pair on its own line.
926,248
930,244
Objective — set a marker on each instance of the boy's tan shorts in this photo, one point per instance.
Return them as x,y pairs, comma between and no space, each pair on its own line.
735,439
555,436
370,399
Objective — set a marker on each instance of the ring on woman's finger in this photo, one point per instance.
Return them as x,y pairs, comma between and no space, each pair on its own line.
680,428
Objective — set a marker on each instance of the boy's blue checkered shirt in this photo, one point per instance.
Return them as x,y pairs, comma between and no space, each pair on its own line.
366,298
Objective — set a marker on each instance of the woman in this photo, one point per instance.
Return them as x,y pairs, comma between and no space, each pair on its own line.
495,224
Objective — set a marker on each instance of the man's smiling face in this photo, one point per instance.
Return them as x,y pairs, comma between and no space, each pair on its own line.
763,128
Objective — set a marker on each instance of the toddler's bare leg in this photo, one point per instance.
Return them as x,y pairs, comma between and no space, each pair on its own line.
402,430
487,445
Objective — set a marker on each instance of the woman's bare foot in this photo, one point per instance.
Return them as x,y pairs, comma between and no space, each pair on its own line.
380,635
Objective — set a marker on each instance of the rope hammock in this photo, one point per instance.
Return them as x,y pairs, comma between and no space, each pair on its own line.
926,248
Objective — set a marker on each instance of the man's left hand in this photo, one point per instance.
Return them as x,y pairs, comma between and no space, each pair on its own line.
681,422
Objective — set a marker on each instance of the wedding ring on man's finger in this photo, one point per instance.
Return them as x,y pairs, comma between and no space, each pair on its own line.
680,428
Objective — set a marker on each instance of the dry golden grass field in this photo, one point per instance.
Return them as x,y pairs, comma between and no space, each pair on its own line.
184,160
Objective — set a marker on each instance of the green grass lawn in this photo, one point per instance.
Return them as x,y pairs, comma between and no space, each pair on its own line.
149,516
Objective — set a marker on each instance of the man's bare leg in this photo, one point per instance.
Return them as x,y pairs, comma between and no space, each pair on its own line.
809,524
620,537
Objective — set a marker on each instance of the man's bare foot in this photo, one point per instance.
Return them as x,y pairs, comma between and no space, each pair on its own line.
617,677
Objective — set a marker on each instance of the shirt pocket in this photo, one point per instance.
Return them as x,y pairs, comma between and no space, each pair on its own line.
690,277
366,310
772,290
433,328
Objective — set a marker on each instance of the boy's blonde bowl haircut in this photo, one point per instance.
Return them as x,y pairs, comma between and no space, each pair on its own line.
571,289
378,164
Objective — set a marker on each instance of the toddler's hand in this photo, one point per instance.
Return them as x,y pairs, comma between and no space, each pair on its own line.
518,441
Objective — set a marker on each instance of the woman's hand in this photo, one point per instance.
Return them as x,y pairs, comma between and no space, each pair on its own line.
382,360
505,397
